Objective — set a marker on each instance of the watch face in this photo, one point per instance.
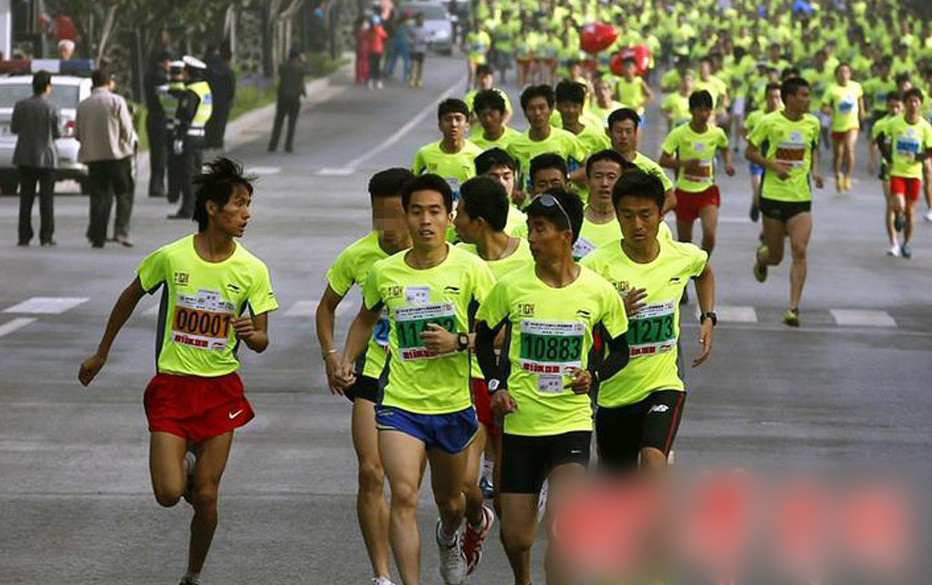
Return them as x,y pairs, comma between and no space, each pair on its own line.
493,385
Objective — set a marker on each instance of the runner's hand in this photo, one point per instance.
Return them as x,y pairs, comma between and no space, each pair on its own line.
437,339
503,403
244,328
730,170
705,340
782,170
819,181
582,380
344,377
332,364
633,301
518,197
90,367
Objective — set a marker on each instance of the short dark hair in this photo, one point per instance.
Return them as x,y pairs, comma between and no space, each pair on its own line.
639,183
452,106
571,204
700,99
912,92
534,91
494,157
488,98
548,160
99,78
622,114
901,77
791,85
773,85
389,183
483,70
486,198
606,155
40,81
571,91
895,96
217,185
428,182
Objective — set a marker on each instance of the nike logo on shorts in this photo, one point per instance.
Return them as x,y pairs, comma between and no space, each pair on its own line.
235,414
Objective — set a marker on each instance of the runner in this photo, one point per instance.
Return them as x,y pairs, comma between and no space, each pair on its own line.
492,131
571,100
196,399
485,80
911,141
452,156
675,107
631,88
389,235
480,220
894,222
786,144
690,151
875,91
599,226
537,101
844,102
497,164
603,102
548,310
717,88
640,407
623,132
772,103
426,407
477,45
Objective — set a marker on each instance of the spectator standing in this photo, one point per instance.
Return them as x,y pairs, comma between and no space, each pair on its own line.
290,91
156,88
104,128
35,123
377,36
65,49
419,36
222,82
361,32
401,46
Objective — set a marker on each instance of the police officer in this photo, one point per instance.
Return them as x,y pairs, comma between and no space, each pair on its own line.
170,96
195,106
156,86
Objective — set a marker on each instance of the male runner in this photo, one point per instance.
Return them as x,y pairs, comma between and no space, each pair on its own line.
631,88
485,81
388,236
772,103
429,292
909,148
893,221
786,144
452,156
599,225
196,399
844,102
690,151
497,164
640,407
675,107
623,132
491,132
603,101
548,310
480,220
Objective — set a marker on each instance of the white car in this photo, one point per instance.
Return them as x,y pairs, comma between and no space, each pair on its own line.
438,22
67,92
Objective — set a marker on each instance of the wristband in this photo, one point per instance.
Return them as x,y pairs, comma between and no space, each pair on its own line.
328,352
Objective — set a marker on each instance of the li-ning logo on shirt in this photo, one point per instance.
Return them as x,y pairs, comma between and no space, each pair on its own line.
181,279
452,289
675,280
526,309
233,287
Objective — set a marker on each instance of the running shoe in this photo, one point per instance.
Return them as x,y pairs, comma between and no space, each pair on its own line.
760,270
488,490
906,251
191,461
899,222
452,561
382,581
791,317
848,182
894,251
755,213
473,539
928,216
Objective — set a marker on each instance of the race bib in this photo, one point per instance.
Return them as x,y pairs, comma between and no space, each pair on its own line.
582,247
907,148
382,328
551,349
846,106
790,153
699,173
652,330
410,322
203,320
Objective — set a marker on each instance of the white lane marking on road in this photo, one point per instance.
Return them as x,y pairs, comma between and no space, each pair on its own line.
11,326
862,318
263,170
340,172
309,308
46,305
734,314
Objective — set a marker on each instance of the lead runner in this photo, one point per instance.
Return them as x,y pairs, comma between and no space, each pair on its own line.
196,399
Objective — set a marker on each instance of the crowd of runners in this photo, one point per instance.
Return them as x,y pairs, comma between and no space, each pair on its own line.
522,292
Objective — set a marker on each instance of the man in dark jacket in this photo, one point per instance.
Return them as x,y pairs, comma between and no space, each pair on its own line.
156,87
290,91
35,122
222,82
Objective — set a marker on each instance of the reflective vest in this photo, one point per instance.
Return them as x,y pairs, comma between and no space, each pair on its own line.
168,97
205,107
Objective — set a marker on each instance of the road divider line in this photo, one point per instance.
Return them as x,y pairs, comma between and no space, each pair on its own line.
862,318
734,314
46,305
15,324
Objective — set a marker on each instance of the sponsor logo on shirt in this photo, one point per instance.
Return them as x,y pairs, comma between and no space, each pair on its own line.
233,287
526,309
392,291
452,289
181,278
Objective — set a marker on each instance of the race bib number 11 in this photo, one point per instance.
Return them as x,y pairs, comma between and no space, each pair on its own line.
410,322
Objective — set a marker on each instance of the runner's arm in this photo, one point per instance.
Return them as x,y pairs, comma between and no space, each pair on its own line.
668,160
360,332
490,365
122,310
617,359
326,317
705,290
669,202
814,170
885,150
646,90
253,331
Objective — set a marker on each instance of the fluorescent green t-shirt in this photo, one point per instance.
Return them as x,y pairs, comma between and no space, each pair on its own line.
560,142
503,141
631,94
783,140
678,106
456,169
714,86
470,98
477,45
550,332
908,140
604,113
516,224
687,144
653,332
592,235
199,303
352,267
844,103
421,381
876,90
649,166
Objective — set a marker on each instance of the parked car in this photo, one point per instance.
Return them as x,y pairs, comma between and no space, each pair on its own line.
438,21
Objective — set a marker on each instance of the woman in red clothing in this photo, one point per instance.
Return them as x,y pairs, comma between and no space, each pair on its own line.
377,36
361,32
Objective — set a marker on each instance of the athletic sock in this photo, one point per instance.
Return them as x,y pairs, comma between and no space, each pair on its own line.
191,578
444,539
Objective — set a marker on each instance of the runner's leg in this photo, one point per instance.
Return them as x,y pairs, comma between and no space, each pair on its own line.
212,457
708,216
851,143
166,467
774,233
799,228
910,215
447,471
518,530
371,507
401,458
471,484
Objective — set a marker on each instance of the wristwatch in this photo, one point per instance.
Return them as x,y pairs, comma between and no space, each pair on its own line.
462,341
708,315
494,384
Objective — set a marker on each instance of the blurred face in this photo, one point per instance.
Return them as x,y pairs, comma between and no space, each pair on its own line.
912,105
467,228
705,69
505,176
773,100
388,218
600,181
687,83
547,241
639,218
894,107
569,111
485,81
843,74
799,102
624,136
232,218
490,119
427,219
453,126
701,115
629,70
546,179
603,92
538,112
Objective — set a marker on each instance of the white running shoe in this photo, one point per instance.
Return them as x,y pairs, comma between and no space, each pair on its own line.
894,251
382,581
928,215
452,561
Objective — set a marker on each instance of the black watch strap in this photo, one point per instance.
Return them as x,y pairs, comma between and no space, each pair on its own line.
709,315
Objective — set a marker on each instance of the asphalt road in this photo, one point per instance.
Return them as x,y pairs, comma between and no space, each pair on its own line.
848,389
